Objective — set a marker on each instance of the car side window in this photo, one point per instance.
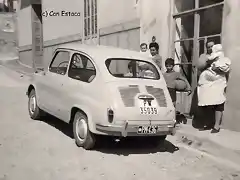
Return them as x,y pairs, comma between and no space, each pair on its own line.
81,68
60,62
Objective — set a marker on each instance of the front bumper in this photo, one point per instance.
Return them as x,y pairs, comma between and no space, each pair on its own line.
127,129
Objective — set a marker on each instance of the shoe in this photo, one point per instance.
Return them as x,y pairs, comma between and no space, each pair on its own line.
204,128
215,130
201,129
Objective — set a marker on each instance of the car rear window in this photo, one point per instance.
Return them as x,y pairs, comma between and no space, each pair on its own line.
132,68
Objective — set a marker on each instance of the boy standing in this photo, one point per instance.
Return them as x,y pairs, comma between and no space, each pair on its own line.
170,76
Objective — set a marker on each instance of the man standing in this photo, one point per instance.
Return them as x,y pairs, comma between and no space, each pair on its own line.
154,50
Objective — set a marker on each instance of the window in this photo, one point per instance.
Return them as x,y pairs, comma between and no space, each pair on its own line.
90,18
60,62
81,68
196,22
131,68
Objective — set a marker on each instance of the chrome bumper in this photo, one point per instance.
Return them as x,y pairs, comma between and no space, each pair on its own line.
131,130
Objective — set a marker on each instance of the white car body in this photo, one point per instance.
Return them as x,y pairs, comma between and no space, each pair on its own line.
60,95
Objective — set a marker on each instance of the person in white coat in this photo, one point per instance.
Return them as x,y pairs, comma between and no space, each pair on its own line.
212,84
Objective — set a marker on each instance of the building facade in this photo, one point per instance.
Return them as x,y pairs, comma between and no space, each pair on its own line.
39,34
181,28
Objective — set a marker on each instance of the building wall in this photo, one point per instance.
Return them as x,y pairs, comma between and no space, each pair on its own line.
116,12
57,29
24,33
119,24
24,26
61,26
156,21
125,35
121,29
231,43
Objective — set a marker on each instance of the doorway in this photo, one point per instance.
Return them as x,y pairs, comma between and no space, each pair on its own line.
195,23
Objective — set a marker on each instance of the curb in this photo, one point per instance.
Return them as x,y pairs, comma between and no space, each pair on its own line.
15,65
208,146
8,60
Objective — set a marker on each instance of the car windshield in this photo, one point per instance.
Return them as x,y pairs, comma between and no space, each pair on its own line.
132,68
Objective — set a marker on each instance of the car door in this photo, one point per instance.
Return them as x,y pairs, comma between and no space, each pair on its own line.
51,85
81,74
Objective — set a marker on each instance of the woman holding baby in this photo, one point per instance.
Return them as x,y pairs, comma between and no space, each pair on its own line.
212,84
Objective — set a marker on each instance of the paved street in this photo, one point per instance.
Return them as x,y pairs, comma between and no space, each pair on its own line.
44,150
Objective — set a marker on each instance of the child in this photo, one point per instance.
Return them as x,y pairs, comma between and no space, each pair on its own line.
170,76
130,70
144,50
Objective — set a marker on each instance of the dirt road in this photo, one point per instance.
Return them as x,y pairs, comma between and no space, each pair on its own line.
44,150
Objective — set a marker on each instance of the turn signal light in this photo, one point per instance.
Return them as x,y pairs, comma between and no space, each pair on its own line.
110,114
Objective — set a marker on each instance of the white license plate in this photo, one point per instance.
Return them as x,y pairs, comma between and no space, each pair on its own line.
148,110
163,129
147,129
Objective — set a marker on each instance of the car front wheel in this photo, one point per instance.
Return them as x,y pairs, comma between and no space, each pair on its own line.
34,111
83,137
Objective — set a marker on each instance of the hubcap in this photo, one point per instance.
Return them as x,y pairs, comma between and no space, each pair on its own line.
32,104
81,129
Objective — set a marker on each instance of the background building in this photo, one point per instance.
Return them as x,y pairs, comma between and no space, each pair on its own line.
181,28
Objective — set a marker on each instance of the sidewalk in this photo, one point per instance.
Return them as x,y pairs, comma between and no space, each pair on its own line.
10,78
224,145
14,64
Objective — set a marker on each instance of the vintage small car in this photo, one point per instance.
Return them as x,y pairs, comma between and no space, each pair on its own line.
102,90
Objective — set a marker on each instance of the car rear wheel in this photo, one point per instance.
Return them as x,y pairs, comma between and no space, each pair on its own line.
83,137
34,111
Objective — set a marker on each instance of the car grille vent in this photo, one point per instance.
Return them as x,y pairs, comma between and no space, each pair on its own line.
158,93
128,93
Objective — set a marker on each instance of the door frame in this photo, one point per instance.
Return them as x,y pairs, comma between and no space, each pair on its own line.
196,38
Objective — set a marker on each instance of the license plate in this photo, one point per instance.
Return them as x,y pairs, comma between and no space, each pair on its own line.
163,129
147,129
148,110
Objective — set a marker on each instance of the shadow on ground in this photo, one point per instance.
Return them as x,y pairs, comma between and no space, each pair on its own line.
58,124
125,146
134,145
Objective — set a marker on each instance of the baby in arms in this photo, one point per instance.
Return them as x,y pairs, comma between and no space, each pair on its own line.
219,64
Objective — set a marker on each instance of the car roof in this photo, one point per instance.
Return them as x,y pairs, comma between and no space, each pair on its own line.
101,53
